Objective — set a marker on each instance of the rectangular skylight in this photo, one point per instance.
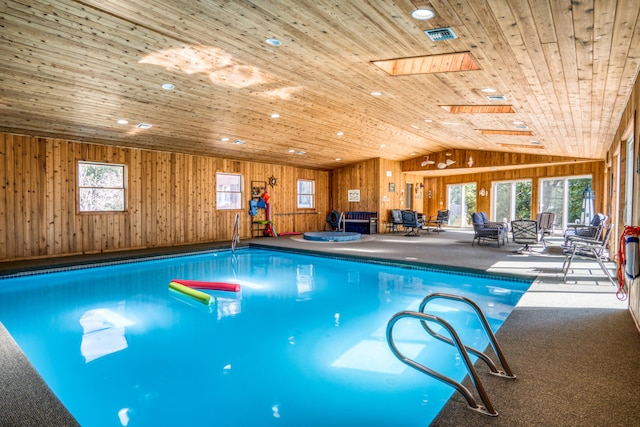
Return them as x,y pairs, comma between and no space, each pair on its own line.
474,109
445,63
506,132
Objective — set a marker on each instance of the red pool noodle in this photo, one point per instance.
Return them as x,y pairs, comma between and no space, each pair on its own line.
214,286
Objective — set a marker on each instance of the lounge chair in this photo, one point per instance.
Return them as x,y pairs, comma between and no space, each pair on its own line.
594,249
412,223
396,220
590,231
526,232
486,230
441,219
546,222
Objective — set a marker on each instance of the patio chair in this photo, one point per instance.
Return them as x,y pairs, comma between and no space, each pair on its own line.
441,219
526,232
590,231
396,220
483,229
546,222
594,249
412,223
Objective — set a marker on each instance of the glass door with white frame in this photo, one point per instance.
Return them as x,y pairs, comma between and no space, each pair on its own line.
511,200
563,196
461,202
628,184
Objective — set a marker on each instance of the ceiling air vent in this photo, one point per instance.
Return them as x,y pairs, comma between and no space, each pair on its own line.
497,98
440,34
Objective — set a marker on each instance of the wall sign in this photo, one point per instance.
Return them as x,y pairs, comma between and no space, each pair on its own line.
353,195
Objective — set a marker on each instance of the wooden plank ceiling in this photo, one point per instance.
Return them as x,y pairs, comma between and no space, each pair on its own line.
72,69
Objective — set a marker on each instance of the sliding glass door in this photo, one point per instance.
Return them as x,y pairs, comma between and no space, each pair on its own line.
511,200
563,196
461,202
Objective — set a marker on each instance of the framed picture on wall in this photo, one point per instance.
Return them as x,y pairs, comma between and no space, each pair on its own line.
353,195
392,187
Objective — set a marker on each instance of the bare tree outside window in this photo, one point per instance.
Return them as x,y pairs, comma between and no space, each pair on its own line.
101,187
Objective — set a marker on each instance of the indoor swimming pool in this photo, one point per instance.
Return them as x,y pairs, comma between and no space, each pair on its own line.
301,344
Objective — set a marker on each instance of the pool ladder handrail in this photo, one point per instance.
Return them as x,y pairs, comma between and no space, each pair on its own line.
464,350
235,235
507,372
342,223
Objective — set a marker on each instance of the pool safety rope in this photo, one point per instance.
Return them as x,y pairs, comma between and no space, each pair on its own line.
188,287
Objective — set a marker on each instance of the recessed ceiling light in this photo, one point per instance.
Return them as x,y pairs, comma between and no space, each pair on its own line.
415,127
422,13
143,126
338,159
489,90
275,116
224,139
383,145
428,120
273,41
517,122
123,122
376,93
238,142
340,133
168,86
292,151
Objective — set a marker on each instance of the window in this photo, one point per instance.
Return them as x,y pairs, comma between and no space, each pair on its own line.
101,187
563,196
306,194
228,191
461,202
511,200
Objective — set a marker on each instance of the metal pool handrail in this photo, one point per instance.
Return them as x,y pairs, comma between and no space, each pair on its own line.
487,409
235,236
507,373
463,349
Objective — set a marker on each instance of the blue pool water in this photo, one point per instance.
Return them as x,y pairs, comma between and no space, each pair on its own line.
302,344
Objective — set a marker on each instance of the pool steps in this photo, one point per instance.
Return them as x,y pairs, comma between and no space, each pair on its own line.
464,350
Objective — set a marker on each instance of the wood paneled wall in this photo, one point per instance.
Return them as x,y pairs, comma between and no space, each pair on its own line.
373,177
438,185
171,199
628,127
363,176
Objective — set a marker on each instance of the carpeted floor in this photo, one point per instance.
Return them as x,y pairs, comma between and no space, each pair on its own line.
25,399
573,346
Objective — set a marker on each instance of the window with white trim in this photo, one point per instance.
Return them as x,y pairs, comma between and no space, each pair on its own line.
306,194
101,187
228,191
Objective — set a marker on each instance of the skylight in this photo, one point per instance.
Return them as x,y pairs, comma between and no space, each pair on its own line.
445,63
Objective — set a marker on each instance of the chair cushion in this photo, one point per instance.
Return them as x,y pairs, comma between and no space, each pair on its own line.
476,218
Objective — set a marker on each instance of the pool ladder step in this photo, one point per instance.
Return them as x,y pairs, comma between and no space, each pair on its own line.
486,408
